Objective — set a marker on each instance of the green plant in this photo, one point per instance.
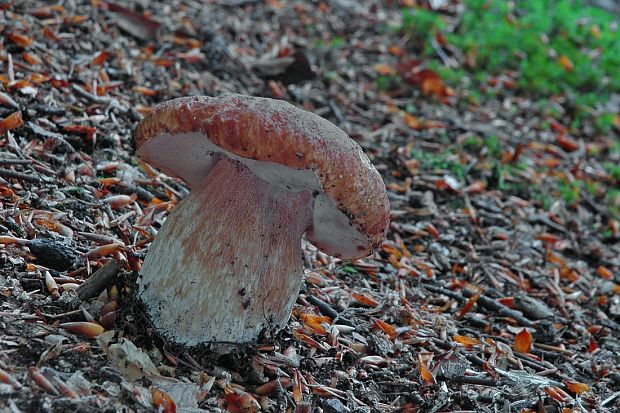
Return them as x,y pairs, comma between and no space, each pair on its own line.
348,269
473,143
494,146
605,122
502,38
421,25
569,190
613,170
387,82
432,162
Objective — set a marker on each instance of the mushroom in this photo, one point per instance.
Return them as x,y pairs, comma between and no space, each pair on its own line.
227,262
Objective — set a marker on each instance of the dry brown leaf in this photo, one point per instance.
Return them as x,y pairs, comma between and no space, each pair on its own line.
523,341
576,387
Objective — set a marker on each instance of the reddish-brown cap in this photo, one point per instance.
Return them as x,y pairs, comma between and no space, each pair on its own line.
280,143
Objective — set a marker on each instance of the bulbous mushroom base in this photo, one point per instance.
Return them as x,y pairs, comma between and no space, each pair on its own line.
226,264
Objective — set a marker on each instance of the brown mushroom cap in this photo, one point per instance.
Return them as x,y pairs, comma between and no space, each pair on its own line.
280,143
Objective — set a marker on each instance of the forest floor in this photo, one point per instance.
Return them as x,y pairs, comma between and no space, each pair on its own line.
497,289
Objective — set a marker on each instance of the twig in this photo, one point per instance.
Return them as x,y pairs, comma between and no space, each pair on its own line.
7,173
99,280
5,161
39,131
478,381
327,310
89,96
554,349
61,315
491,304
444,291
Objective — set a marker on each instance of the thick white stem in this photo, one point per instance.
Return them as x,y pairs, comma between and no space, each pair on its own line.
227,262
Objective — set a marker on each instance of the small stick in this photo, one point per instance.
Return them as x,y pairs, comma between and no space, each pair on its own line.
99,280
554,349
5,161
89,96
7,173
479,381
491,304
328,310
61,315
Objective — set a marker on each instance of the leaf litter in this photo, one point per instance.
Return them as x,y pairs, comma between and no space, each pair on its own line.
497,289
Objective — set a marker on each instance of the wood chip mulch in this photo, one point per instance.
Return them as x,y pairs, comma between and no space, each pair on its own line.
493,291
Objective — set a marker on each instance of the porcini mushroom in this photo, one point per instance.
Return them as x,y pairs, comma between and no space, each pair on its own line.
227,263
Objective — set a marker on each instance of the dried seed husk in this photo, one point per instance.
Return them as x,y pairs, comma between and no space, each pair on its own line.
84,328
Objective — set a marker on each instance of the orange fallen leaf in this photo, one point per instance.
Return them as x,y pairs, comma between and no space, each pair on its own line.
396,51
432,84
557,394
592,345
576,387
419,124
386,328
192,56
432,229
406,67
547,238
523,342
50,34
425,373
13,121
88,131
384,69
275,89
164,62
441,39
552,258
38,78
20,39
272,385
75,20
365,299
570,274
297,389
566,63
616,121
412,121
429,82
307,339
549,162
106,249
567,143
507,301
604,273
162,401
100,58
45,12
238,401
476,187
469,304
466,341
31,59
145,91
313,323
